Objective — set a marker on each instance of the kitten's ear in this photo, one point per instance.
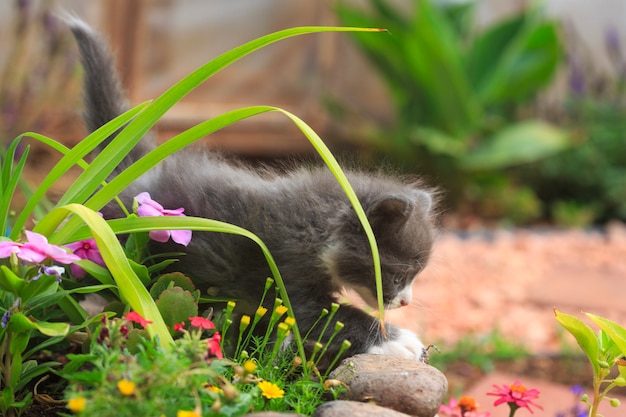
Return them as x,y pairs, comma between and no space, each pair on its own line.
423,200
389,211
394,211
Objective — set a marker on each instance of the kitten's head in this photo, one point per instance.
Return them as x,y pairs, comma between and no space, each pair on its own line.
404,230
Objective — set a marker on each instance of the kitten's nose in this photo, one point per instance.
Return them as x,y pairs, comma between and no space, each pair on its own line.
404,303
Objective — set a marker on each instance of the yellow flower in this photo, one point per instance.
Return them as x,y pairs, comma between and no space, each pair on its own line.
283,330
126,387
270,390
290,321
213,388
185,413
76,404
245,321
280,310
260,312
249,367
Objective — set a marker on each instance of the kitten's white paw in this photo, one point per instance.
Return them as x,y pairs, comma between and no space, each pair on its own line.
406,344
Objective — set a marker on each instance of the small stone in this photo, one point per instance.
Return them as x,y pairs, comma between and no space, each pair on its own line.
342,408
404,385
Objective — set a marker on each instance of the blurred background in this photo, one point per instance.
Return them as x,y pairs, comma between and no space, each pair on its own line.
514,109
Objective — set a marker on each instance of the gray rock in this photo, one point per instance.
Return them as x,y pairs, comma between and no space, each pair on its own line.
404,385
354,409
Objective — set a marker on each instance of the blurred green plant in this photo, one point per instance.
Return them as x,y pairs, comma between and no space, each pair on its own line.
458,90
585,184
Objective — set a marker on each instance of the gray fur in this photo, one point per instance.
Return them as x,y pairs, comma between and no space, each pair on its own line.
303,217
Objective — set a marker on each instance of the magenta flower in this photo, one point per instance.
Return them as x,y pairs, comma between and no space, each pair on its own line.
149,207
516,395
36,250
85,249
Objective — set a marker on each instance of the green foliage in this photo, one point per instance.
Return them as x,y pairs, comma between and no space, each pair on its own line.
189,376
458,91
586,183
605,350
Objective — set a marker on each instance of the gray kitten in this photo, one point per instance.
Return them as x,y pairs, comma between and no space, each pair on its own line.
303,217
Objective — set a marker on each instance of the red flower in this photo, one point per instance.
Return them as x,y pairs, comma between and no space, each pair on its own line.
214,346
179,327
135,317
201,323
516,395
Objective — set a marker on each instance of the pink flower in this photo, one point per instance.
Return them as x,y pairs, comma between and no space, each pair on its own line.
149,207
7,248
85,249
201,323
465,407
179,327
516,395
214,346
135,317
37,249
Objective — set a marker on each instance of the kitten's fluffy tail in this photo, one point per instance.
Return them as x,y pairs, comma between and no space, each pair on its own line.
103,95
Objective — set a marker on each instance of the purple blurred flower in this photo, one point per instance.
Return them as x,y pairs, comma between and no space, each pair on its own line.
85,249
51,271
149,207
5,319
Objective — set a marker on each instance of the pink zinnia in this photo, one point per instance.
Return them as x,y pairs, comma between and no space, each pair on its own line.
516,395
85,249
464,407
149,207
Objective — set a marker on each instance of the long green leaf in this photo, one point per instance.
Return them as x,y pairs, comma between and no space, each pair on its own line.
516,144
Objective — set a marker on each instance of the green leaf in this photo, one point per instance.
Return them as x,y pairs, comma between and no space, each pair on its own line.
584,335
10,282
44,286
20,323
517,144
616,332
528,62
